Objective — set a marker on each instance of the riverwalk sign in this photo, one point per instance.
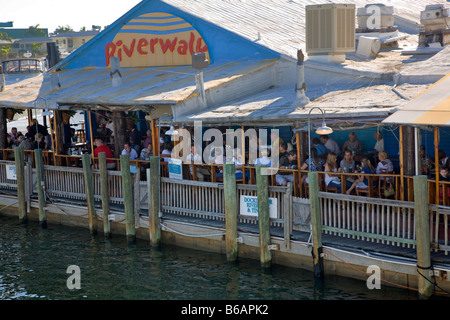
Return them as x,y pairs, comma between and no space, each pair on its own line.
249,206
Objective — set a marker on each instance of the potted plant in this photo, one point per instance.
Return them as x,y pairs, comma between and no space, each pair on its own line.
66,115
131,120
10,113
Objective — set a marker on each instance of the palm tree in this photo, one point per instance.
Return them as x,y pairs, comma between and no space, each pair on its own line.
4,36
34,32
4,51
35,48
62,29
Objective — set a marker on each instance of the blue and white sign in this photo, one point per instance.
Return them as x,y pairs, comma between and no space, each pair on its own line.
11,172
175,168
249,206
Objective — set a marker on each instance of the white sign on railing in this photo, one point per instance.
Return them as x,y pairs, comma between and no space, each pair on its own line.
11,172
175,169
249,206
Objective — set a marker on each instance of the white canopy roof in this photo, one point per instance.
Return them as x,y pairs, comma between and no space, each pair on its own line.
432,107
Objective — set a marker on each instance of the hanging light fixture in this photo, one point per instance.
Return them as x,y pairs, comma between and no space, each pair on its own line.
324,129
47,112
172,131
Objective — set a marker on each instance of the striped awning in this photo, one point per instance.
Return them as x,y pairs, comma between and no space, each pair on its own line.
432,107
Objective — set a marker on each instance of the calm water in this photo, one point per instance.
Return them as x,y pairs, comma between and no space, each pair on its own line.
34,262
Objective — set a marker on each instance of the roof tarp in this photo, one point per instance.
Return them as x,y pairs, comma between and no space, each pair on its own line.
140,87
276,106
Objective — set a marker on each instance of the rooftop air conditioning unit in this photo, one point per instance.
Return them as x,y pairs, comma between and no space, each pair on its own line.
435,17
375,17
330,30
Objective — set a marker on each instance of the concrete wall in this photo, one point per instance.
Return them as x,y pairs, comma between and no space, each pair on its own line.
336,262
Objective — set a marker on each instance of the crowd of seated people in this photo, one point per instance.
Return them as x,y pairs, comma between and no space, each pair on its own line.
326,155
37,136
429,166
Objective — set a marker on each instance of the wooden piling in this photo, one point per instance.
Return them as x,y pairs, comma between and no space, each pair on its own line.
89,189
104,193
287,209
263,217
316,222
127,189
153,184
19,156
40,188
230,194
423,247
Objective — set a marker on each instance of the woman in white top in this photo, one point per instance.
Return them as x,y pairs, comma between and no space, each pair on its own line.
330,166
264,159
379,145
167,151
332,180
219,159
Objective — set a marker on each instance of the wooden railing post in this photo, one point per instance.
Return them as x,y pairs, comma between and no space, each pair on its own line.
40,188
137,196
287,211
421,217
316,222
28,182
20,176
230,194
104,190
86,160
127,187
153,185
263,217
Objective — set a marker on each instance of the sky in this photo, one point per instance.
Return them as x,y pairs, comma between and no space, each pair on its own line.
51,14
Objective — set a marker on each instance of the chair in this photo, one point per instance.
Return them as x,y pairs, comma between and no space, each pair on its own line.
331,189
165,156
372,190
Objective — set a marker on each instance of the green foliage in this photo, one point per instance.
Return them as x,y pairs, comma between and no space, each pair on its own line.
35,32
62,29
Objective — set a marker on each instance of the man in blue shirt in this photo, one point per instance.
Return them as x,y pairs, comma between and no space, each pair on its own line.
128,150
321,150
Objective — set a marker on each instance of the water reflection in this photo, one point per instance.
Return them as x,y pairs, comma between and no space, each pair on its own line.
34,261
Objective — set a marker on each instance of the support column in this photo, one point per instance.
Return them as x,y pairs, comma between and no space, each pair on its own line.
436,162
127,189
86,160
40,188
421,217
316,222
230,194
120,132
263,218
153,184
104,189
19,156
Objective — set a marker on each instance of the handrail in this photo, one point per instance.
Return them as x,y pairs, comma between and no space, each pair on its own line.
403,188
361,217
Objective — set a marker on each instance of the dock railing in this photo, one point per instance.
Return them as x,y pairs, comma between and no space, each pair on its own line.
402,185
364,218
202,199
387,221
